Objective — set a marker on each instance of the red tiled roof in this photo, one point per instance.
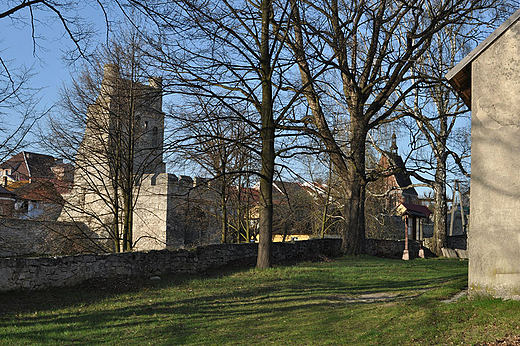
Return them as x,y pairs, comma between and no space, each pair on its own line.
42,191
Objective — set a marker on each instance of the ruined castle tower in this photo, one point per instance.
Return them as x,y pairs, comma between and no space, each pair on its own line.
127,117
123,143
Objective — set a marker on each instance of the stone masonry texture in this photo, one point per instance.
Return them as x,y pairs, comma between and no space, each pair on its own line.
45,272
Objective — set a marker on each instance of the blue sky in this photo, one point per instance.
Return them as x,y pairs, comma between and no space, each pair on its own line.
46,59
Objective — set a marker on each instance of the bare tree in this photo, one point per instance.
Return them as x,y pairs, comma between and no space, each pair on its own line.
19,110
218,143
19,101
435,112
227,50
111,127
369,48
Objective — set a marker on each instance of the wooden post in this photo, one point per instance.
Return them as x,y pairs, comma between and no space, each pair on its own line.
421,237
462,219
452,209
406,253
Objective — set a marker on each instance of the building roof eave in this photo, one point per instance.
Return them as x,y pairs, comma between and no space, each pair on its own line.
460,75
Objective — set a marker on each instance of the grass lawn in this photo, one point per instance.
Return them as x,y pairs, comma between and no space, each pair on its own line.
349,301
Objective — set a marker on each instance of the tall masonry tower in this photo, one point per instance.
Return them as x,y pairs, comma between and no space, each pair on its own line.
129,114
122,146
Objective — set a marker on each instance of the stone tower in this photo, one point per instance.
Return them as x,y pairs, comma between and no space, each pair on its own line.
124,136
129,115
125,133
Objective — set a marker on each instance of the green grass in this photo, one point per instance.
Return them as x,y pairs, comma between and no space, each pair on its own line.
350,301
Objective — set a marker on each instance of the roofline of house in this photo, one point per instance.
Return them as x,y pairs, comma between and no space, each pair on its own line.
484,44
27,165
463,69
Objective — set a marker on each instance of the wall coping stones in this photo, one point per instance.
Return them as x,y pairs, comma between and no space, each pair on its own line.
45,272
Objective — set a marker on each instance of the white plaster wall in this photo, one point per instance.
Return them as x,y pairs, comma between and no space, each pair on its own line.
494,236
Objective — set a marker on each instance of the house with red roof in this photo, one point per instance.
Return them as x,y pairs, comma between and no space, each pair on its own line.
28,166
36,182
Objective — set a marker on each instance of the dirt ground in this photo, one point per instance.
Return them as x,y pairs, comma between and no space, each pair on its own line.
512,340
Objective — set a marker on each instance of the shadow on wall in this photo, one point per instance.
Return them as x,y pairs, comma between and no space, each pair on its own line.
37,238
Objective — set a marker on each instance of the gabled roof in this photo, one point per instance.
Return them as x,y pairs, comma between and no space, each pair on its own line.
286,187
413,210
16,163
31,165
460,76
402,179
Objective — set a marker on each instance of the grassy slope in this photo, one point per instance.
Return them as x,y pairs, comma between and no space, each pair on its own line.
351,301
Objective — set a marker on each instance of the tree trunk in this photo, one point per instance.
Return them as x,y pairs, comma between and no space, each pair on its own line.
266,200
268,154
354,186
128,183
223,207
127,220
440,209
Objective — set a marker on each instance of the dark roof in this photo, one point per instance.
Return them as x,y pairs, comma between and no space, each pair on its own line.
415,210
403,179
460,76
4,191
31,165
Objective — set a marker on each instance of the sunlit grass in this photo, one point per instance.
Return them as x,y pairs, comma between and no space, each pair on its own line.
350,301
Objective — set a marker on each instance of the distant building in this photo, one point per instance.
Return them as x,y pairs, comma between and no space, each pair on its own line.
37,200
386,195
35,182
7,202
28,166
299,210
398,185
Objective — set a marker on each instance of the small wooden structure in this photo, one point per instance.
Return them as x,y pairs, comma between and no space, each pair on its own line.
413,214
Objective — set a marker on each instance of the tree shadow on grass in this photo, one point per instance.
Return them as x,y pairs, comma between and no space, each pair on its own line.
91,291
177,319
94,290
173,320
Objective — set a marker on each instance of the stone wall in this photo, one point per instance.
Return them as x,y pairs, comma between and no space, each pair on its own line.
39,273
37,238
458,242
391,248
391,227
